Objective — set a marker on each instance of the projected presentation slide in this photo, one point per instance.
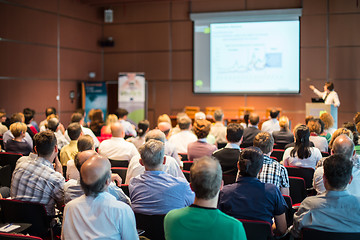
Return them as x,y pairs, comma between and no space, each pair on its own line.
254,57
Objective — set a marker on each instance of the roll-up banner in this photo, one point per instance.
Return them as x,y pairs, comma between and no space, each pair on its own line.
132,95
94,97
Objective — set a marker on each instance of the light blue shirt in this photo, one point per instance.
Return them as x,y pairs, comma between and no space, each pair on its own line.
156,193
332,211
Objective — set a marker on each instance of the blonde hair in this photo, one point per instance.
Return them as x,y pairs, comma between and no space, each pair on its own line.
338,132
284,122
327,119
314,126
111,118
18,128
164,118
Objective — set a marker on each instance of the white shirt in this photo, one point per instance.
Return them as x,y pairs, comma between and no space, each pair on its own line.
270,125
219,131
86,131
71,170
320,143
135,168
332,98
309,162
102,217
182,139
129,130
117,148
61,140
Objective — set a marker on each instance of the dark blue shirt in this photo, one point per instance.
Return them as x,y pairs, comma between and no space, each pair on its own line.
251,199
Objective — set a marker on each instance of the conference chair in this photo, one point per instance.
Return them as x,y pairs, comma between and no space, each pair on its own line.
325,154
191,110
312,234
186,174
257,230
119,163
153,225
5,176
306,173
184,156
15,211
187,165
12,236
125,188
297,190
278,154
121,171
290,210
2,143
8,158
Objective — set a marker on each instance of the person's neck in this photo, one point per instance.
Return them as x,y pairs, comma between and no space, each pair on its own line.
211,203
159,168
18,139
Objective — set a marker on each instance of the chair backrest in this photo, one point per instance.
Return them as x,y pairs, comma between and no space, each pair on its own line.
119,163
187,165
125,188
15,211
121,171
312,234
306,173
7,158
2,143
290,211
278,153
257,230
5,176
325,154
11,236
229,179
191,110
153,225
184,156
186,174
297,189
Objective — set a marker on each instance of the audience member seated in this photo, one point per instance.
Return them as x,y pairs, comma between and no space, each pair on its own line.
177,129
72,188
184,137
17,117
4,192
143,128
85,142
170,149
202,220
79,118
53,124
229,155
272,171
251,199
251,131
17,145
3,128
315,130
335,210
29,116
97,214
200,148
96,121
155,192
35,179
69,151
284,136
48,111
201,116
105,130
352,127
328,123
302,155
129,129
171,165
116,148
272,124
342,145
337,133
218,129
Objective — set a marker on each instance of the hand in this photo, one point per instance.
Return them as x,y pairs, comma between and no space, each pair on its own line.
62,129
312,87
58,166
115,177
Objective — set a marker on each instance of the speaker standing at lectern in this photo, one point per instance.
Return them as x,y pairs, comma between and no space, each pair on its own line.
329,95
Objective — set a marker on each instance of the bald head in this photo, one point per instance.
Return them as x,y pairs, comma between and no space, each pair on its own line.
343,145
95,175
81,157
117,130
254,119
165,127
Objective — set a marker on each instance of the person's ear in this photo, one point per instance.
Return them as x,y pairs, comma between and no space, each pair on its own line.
35,150
351,179
164,160
222,184
141,162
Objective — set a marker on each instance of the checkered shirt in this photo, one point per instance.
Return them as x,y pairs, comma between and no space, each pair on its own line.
275,173
35,180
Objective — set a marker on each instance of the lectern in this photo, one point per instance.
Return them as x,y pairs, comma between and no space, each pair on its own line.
316,109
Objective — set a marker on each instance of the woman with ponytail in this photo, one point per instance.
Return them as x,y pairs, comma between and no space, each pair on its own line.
143,128
302,155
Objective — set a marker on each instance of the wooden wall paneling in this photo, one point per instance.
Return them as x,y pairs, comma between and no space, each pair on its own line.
182,65
141,12
313,31
138,37
313,63
44,5
348,90
180,10
76,65
311,7
68,107
27,60
78,10
344,30
159,98
275,4
120,62
80,34
182,35
340,6
24,24
344,62
217,6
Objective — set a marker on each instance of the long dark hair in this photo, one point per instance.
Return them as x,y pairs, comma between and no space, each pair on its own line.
302,143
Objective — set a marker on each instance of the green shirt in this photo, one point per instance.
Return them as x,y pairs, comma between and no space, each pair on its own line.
194,223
